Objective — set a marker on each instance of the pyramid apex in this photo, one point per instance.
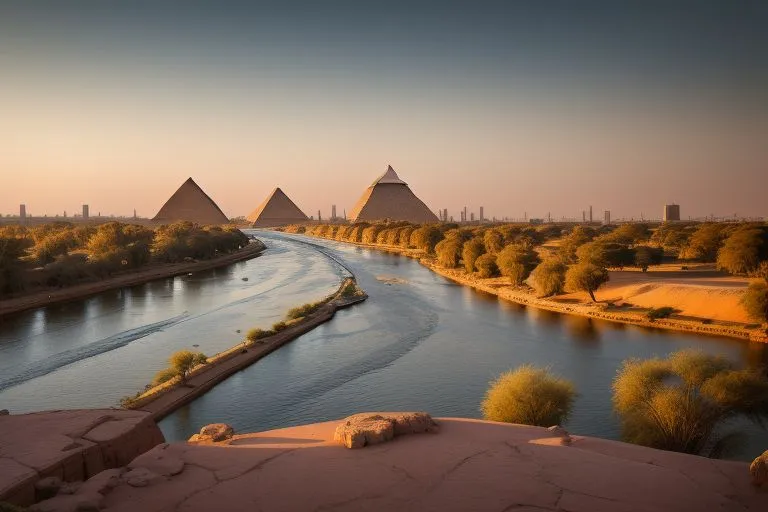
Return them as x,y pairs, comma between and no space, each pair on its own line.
389,177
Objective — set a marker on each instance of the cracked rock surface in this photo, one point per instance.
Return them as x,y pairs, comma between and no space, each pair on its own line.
57,447
470,465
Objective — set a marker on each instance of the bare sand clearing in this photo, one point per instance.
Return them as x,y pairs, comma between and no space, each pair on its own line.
696,294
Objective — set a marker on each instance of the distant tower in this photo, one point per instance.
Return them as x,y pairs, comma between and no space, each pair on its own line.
85,211
607,217
590,214
482,216
445,214
65,214
472,216
465,214
134,213
671,212
583,216
333,212
319,219
23,212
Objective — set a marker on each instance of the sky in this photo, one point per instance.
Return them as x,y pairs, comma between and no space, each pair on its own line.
525,108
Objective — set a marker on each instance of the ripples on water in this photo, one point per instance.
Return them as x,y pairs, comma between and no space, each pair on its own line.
419,342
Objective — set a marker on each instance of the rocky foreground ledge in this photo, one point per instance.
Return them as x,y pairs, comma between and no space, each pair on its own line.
410,462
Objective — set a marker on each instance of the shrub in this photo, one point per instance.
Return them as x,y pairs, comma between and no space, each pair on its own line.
350,290
704,243
182,362
472,250
682,403
662,312
493,240
302,311
164,376
257,334
486,266
516,261
646,256
426,238
742,251
586,277
549,277
279,326
529,396
755,302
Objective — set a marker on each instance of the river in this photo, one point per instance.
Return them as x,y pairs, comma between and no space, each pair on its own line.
420,342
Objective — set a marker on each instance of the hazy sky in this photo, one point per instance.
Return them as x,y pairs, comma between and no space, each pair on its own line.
518,106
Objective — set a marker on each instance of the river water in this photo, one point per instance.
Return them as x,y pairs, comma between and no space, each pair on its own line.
419,342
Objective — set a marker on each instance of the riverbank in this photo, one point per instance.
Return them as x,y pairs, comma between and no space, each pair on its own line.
163,399
163,271
602,310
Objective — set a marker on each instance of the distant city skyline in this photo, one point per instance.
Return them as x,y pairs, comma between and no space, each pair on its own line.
513,106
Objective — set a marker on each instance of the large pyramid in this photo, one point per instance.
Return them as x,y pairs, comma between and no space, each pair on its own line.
190,203
276,210
389,197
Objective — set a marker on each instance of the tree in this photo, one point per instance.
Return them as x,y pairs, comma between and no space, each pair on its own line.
486,266
426,238
646,256
578,237
681,403
742,251
448,252
755,302
704,243
404,236
529,396
606,254
493,240
472,250
586,277
516,261
629,234
183,361
549,277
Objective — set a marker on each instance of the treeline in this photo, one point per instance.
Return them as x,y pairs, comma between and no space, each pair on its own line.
564,257
61,254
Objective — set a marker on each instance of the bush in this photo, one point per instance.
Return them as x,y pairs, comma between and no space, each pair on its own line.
755,302
279,326
646,256
493,240
472,250
350,290
183,361
426,238
257,334
302,311
742,251
549,277
586,277
682,403
516,261
529,396
164,376
662,312
486,266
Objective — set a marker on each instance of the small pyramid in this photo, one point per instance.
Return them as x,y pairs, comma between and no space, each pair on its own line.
391,198
190,203
276,210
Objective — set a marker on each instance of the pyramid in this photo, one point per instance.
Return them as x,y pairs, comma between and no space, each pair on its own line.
389,197
276,210
190,203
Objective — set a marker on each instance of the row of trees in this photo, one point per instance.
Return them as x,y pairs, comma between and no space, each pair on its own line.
557,258
61,254
680,403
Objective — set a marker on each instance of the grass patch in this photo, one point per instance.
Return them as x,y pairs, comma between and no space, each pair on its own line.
662,312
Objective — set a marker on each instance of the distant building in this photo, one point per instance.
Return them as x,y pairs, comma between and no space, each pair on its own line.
85,211
607,217
536,221
445,214
482,216
22,212
333,212
472,216
671,212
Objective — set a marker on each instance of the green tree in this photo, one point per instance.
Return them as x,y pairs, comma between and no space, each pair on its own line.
755,301
682,403
529,396
742,251
516,261
586,277
426,238
629,234
575,239
472,250
486,266
606,254
704,243
646,256
493,240
183,361
549,277
448,252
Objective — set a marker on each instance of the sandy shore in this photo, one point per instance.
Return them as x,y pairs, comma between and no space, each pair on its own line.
162,400
708,303
47,297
